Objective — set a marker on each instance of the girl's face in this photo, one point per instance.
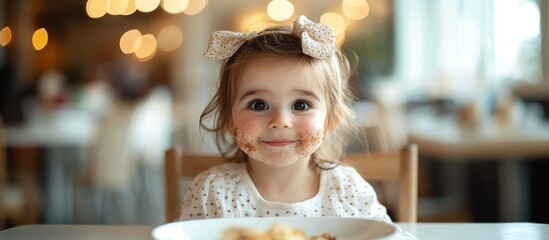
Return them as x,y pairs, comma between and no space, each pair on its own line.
279,114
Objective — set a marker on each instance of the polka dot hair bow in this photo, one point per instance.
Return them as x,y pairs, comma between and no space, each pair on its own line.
317,40
224,44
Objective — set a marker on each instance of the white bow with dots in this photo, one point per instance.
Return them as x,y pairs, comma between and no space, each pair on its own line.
317,40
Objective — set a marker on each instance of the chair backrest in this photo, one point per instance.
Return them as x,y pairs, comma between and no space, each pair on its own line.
379,166
401,166
178,166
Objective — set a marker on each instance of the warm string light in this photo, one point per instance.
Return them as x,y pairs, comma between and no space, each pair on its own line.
145,46
175,6
195,7
145,5
130,41
96,8
40,39
99,8
337,22
280,10
352,10
252,21
117,7
355,9
171,38
5,36
147,49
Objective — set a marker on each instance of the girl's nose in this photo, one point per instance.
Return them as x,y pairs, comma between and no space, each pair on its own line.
280,119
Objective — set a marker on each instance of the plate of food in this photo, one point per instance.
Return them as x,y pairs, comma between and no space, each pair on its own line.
283,228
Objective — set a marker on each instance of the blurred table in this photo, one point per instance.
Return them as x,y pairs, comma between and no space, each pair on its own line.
64,134
53,129
443,138
423,231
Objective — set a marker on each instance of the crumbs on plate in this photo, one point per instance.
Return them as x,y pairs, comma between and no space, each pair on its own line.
277,231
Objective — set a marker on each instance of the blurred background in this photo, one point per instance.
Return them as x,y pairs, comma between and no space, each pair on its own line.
93,91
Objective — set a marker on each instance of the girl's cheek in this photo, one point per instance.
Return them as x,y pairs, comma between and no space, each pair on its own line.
311,137
309,141
242,135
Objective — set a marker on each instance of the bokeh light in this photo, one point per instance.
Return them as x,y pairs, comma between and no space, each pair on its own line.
169,38
130,41
96,8
147,49
255,21
336,21
130,8
117,7
40,39
280,10
355,9
175,6
5,36
147,5
195,7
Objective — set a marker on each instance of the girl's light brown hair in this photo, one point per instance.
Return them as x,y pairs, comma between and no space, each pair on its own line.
279,42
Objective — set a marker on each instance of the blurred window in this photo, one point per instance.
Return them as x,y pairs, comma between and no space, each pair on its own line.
517,39
454,47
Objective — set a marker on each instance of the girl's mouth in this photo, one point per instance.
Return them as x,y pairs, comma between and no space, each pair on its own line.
279,142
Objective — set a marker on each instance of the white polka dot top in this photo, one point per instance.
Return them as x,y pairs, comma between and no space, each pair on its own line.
227,191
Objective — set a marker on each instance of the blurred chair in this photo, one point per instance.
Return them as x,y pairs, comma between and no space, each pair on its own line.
126,159
110,169
379,166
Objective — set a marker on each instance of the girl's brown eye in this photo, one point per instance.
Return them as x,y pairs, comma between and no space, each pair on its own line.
258,105
301,105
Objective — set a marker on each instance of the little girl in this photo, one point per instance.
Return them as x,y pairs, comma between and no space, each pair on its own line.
282,114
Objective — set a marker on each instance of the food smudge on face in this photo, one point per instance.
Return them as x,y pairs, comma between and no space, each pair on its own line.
307,143
240,137
308,140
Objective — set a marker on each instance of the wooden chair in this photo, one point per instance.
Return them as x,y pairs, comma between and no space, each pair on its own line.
379,166
401,166
178,166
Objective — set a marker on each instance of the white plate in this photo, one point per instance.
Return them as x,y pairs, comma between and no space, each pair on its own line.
341,228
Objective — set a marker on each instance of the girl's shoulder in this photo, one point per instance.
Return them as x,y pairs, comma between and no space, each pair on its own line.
343,171
344,175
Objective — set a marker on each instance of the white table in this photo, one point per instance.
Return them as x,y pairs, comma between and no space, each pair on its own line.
443,137
423,231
